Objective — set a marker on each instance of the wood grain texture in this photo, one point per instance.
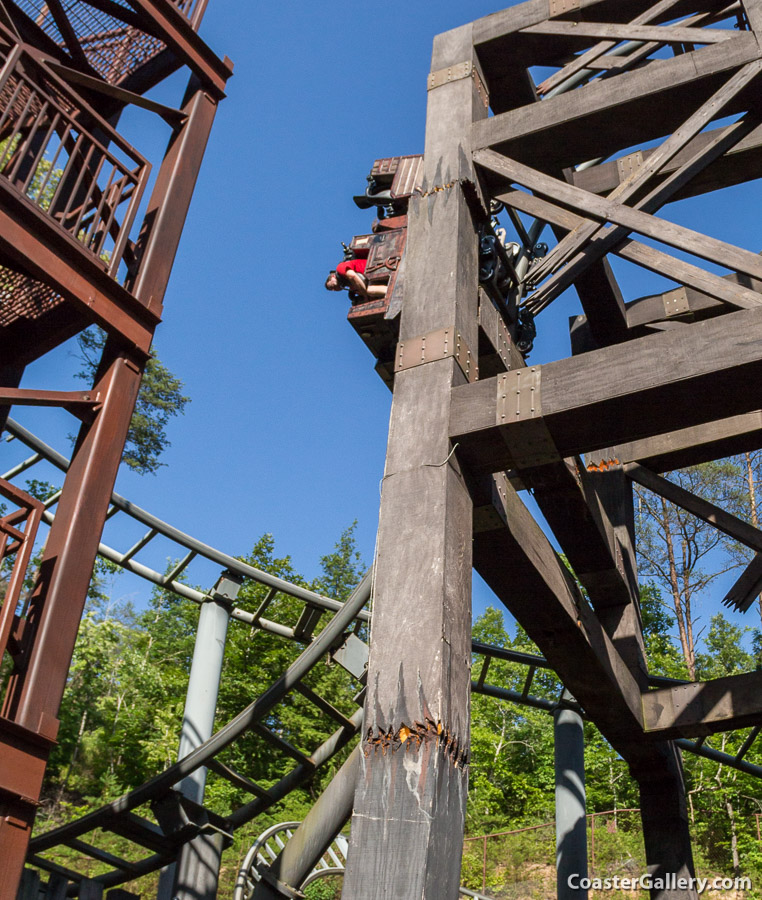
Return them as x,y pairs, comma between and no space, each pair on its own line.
409,811
519,564
704,707
692,446
627,392
611,115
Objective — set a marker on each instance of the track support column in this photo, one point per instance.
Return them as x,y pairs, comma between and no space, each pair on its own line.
407,828
571,824
196,871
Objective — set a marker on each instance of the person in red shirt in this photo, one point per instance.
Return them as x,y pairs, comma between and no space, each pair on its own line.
351,274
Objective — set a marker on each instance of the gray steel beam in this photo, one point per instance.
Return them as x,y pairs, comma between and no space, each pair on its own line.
571,824
196,871
315,835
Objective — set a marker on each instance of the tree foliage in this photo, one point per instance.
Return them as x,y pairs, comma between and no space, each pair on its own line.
159,399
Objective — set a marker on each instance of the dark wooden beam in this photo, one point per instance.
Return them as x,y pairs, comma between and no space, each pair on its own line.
617,394
497,349
704,707
590,237
517,561
509,21
407,831
594,54
738,293
725,522
738,164
660,34
692,446
610,115
686,303
566,496
589,243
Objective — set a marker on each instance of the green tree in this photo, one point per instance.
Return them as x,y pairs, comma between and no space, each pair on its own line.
684,554
159,399
663,656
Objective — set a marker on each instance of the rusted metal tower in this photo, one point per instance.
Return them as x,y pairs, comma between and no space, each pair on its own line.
79,246
625,121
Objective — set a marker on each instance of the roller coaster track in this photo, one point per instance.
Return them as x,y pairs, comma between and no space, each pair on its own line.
272,841
154,818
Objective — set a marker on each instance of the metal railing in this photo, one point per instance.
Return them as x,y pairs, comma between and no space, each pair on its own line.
18,530
63,158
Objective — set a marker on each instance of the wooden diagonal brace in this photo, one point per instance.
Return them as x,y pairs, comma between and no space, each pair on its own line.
704,282
584,59
724,521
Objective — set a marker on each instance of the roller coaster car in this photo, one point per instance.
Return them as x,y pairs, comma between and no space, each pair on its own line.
390,184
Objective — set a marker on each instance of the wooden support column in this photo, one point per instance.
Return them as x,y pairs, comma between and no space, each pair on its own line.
408,820
657,768
663,812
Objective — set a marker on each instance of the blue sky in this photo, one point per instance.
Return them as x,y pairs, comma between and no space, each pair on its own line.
286,431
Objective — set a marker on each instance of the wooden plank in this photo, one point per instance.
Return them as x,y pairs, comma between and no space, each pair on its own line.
519,564
491,28
585,59
689,304
609,115
747,586
614,495
497,350
703,156
721,141
735,294
739,163
692,446
567,499
705,283
605,210
704,707
540,208
724,521
624,393
753,10
662,34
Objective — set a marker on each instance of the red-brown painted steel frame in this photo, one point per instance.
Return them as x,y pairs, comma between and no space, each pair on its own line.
31,242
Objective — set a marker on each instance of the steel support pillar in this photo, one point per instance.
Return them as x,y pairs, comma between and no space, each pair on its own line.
10,376
407,827
314,836
571,824
195,873
29,722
